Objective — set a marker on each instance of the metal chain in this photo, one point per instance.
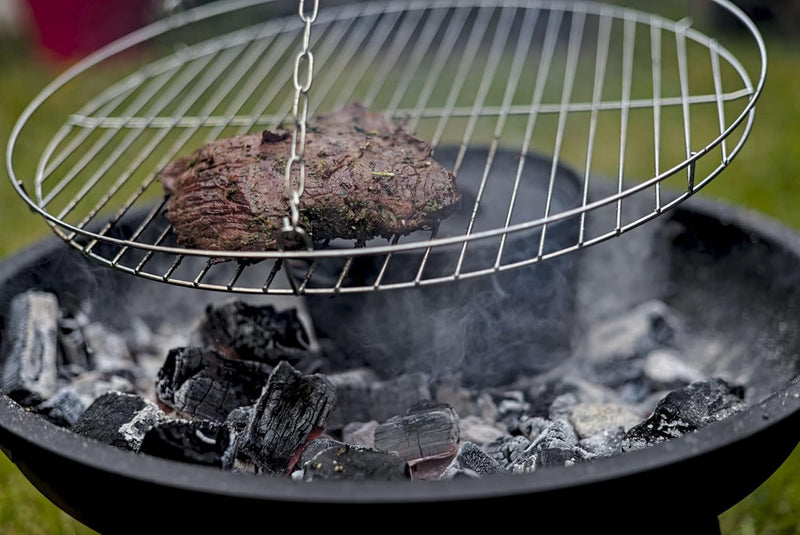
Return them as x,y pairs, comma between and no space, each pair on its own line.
303,63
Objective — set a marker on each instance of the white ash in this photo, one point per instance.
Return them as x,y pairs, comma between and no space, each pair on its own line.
135,430
589,419
479,431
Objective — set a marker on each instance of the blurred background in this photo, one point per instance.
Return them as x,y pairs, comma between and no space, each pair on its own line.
39,39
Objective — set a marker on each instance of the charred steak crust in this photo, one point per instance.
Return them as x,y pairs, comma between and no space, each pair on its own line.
365,177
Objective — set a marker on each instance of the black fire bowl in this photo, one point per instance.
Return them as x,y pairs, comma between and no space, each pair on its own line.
731,274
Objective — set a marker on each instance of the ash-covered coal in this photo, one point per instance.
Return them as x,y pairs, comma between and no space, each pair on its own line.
247,390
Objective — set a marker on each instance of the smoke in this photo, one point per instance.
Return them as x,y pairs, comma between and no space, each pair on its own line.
489,329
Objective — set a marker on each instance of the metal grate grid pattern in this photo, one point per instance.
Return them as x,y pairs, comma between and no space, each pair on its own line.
537,96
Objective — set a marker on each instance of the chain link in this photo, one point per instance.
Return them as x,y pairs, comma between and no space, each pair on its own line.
303,64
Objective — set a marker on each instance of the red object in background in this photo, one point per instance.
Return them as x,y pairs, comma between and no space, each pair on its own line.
70,29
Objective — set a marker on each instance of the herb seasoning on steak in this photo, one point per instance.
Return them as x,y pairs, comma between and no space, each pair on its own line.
365,177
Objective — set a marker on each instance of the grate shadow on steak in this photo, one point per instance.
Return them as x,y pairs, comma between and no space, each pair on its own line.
365,177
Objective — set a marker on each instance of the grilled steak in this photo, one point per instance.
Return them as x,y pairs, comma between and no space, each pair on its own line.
365,177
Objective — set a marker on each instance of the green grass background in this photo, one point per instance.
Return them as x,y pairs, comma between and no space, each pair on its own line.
763,177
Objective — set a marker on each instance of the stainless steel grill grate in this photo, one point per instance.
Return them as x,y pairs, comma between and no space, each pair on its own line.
523,100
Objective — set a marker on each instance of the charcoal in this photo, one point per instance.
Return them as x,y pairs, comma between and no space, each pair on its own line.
317,445
350,462
557,445
472,462
352,396
532,426
685,410
605,443
192,441
649,326
201,383
72,342
431,468
68,404
591,418
293,409
395,396
239,418
562,406
119,419
510,408
62,409
486,407
508,449
559,433
244,331
667,371
477,430
428,431
108,351
29,350
360,433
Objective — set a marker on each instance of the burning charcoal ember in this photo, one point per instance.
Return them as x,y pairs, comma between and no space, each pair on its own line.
352,396
649,326
589,419
686,409
240,330
352,462
395,396
603,444
67,405
429,431
508,449
360,433
667,371
293,409
192,441
119,419
477,430
201,383
472,462
29,350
